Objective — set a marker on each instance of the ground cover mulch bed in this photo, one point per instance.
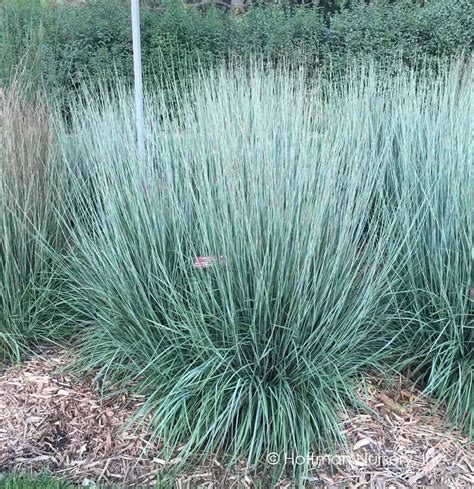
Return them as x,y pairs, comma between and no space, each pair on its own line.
52,421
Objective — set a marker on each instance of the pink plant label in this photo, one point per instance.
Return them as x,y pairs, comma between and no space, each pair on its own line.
207,261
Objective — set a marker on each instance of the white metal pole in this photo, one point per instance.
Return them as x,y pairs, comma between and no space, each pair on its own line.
137,68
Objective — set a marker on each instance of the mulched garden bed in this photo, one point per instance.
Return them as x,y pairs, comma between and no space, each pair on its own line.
52,421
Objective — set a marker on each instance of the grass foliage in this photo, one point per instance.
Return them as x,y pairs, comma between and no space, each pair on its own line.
26,481
256,353
29,197
283,235
429,192
336,219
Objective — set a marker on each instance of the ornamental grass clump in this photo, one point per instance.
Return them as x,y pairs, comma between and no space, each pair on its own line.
264,253
29,230
429,194
234,276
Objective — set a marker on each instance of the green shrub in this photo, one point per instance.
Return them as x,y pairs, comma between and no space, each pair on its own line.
183,37
64,45
281,33
383,30
93,41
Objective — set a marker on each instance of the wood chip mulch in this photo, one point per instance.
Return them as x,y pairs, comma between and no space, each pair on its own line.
52,421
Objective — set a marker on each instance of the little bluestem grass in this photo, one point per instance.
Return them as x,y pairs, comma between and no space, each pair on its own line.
282,236
271,180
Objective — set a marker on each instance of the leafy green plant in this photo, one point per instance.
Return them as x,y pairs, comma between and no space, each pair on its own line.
64,46
384,30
